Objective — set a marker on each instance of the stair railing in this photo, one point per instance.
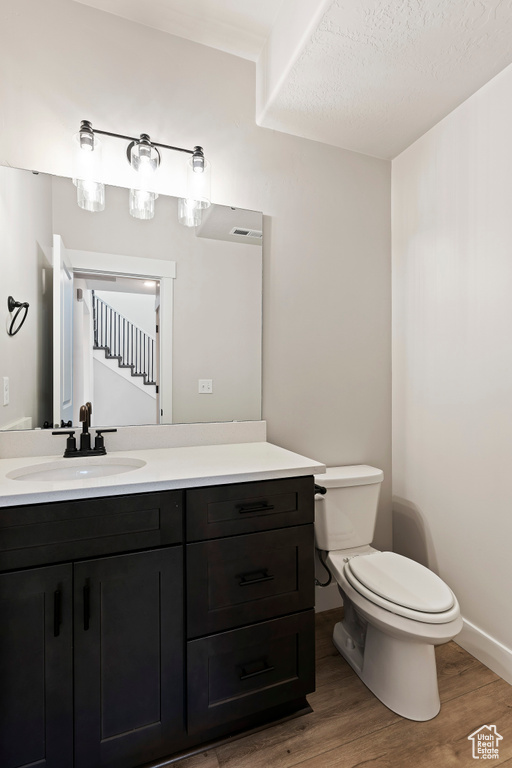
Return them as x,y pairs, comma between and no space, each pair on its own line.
121,339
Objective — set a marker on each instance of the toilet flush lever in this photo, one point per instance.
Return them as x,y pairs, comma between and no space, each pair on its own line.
320,489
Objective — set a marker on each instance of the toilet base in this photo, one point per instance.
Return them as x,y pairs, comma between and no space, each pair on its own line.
402,674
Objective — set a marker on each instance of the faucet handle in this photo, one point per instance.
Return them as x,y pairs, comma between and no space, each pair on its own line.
70,442
99,443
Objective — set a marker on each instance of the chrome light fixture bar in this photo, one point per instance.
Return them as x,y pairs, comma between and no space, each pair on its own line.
144,157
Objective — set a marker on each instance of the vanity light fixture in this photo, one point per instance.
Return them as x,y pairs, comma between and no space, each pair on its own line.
144,157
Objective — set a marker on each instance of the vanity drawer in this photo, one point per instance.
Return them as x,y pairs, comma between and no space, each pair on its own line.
242,672
244,579
226,510
67,530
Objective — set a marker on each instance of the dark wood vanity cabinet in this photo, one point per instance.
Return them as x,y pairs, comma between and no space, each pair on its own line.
98,667
91,651
127,662
250,598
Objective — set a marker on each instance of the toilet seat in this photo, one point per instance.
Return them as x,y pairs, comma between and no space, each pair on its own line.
401,586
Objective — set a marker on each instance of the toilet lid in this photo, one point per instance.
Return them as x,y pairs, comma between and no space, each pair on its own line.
401,581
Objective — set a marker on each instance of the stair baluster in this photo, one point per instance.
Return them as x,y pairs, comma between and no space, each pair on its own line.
120,339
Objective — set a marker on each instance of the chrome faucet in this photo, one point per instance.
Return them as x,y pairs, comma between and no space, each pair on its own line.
85,437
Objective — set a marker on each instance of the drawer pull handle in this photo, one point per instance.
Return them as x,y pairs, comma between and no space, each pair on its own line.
87,606
57,612
244,509
245,675
246,579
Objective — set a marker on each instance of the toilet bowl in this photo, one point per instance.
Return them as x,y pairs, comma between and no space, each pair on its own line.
395,610
393,653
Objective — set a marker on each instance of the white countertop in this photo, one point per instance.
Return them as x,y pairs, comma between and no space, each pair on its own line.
165,469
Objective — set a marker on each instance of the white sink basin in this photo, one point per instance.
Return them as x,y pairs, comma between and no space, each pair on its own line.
76,469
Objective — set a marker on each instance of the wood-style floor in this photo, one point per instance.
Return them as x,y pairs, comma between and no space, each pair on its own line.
349,727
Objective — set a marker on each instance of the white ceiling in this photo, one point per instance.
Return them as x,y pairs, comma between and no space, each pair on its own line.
239,27
366,75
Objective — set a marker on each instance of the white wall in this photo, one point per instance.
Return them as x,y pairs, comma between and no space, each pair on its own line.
25,236
452,362
117,401
326,312
138,308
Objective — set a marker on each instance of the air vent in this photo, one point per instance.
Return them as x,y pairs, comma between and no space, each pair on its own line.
242,232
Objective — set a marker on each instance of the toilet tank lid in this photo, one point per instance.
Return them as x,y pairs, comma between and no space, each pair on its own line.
358,474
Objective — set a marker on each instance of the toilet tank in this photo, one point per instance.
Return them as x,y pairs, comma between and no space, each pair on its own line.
345,516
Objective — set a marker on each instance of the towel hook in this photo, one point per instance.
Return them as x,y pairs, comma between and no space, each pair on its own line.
18,306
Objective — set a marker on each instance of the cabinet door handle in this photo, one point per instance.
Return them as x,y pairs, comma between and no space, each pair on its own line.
245,579
245,509
87,606
57,612
246,675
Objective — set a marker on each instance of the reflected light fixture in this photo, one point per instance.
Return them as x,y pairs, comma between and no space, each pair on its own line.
144,157
189,212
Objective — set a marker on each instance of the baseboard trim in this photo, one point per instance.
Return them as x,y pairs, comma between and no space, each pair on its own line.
486,649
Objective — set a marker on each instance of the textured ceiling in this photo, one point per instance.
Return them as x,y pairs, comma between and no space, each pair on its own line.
374,75
366,75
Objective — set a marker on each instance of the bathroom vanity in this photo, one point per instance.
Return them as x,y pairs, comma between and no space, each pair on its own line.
145,615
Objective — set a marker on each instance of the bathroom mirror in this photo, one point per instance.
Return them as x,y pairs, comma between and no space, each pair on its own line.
99,284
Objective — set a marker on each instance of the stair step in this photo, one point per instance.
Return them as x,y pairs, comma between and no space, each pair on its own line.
131,366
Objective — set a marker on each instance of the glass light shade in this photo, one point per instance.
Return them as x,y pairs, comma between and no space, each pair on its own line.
144,157
189,212
86,157
90,195
142,204
199,183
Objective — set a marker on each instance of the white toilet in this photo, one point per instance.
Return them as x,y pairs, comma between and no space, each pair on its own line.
396,610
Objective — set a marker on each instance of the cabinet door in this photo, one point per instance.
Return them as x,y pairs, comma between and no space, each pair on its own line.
36,699
128,658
